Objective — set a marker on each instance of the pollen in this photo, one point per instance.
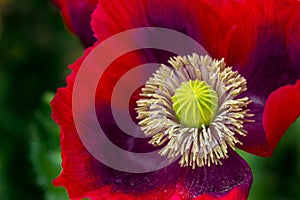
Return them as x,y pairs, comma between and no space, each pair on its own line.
194,109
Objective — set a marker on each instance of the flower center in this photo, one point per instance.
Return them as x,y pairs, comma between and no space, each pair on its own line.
195,103
195,109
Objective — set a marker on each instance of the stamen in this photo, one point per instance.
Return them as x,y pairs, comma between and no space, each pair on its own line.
193,110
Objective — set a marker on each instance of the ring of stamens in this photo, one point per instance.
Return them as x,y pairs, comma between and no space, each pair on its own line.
206,143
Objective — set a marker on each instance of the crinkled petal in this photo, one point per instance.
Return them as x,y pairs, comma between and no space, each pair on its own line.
84,176
201,20
218,181
238,193
261,42
233,184
271,65
258,38
112,17
104,93
282,109
77,16
225,29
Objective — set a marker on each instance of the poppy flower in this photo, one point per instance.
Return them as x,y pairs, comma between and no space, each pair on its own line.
196,109
77,16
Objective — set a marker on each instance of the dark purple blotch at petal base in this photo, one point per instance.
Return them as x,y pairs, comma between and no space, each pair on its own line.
104,109
77,16
217,179
81,25
139,183
269,67
118,136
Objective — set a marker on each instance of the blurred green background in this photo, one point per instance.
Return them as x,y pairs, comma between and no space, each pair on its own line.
35,49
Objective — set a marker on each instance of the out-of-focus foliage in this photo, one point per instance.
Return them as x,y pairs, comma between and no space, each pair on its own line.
45,151
35,49
278,177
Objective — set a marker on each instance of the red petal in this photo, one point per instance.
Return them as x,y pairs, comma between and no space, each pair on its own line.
105,193
77,16
76,177
281,110
112,17
216,29
272,63
83,175
240,192
226,29
200,20
217,181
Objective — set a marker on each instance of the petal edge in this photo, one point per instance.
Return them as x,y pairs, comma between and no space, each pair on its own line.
281,110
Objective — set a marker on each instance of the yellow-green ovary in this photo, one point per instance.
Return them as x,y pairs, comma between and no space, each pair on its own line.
195,103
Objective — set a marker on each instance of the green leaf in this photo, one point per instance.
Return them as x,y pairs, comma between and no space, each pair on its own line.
45,150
